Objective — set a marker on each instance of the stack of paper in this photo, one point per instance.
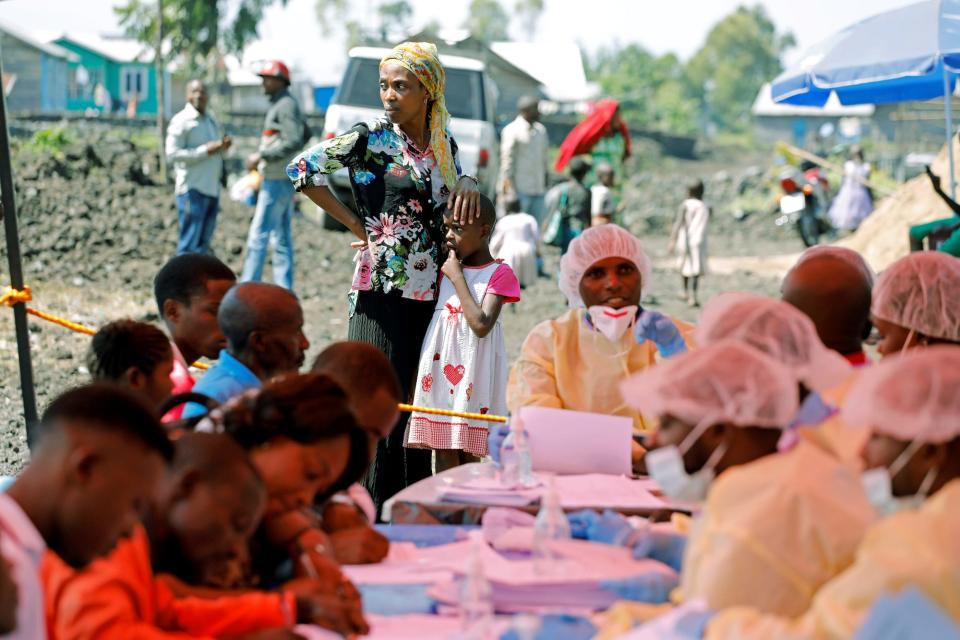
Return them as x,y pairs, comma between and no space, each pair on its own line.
573,582
595,490
488,491
409,627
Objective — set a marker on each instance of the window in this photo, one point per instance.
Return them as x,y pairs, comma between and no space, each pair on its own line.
133,83
82,82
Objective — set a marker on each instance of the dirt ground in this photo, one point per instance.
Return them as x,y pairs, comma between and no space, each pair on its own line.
94,230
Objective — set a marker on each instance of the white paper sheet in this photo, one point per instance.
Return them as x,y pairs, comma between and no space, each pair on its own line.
572,442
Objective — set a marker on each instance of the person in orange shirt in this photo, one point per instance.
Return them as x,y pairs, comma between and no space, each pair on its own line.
207,510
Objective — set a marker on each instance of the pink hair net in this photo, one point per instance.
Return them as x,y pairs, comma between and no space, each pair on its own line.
913,396
779,330
727,381
921,292
592,246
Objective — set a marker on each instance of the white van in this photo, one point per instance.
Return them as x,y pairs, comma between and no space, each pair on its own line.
471,100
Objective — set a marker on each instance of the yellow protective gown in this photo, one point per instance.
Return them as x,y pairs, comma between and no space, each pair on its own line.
844,441
919,548
566,365
774,530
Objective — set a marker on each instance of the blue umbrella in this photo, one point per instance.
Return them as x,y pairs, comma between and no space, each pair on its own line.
906,54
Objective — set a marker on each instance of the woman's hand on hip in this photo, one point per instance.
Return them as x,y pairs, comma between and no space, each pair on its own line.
464,201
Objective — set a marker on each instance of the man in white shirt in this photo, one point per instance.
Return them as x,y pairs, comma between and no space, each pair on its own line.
195,146
524,162
98,456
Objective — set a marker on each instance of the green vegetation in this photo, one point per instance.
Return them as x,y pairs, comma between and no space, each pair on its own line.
51,141
714,89
195,29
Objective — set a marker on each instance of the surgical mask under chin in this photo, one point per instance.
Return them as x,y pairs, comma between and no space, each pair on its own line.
878,484
613,323
666,467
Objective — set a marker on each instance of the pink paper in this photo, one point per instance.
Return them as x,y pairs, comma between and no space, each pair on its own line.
575,442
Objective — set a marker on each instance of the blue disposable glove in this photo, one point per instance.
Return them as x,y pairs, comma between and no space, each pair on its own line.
495,437
659,329
653,587
608,527
663,546
558,627
908,615
396,599
693,624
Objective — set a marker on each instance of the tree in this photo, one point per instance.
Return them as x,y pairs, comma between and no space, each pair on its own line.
195,29
487,20
653,91
741,52
392,21
528,13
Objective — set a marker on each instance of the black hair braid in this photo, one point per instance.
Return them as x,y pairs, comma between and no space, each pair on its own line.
305,408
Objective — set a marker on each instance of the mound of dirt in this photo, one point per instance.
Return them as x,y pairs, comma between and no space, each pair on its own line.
882,238
92,213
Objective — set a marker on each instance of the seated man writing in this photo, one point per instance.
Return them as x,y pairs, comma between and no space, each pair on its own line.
135,355
263,324
210,502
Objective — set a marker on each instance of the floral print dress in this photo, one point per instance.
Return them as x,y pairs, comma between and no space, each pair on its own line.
399,195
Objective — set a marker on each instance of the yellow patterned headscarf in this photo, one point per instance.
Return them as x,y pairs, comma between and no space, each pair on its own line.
421,59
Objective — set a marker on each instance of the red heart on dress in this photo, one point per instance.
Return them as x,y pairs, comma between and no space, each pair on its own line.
454,373
436,357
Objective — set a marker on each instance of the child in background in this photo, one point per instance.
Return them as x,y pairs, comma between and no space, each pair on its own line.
689,240
463,364
516,241
188,290
603,200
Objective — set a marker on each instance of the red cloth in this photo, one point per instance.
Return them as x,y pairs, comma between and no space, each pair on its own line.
182,382
858,359
585,135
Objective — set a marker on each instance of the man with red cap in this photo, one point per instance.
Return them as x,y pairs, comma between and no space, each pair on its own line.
285,132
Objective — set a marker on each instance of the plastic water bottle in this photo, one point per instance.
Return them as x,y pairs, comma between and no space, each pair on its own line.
551,526
476,595
517,466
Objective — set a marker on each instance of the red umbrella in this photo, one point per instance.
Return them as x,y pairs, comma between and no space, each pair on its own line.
596,125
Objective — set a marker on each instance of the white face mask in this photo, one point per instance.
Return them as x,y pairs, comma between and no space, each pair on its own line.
906,343
878,484
613,323
666,467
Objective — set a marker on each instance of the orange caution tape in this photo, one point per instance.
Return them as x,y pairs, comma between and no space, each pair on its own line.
408,408
11,296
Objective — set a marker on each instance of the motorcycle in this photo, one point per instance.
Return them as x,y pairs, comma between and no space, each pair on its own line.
803,202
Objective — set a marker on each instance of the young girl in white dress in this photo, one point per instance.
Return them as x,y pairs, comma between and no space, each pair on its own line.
689,241
463,362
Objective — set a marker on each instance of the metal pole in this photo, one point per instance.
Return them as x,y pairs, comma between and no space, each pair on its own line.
161,94
948,109
8,208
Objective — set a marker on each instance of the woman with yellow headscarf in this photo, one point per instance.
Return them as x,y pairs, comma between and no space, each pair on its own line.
404,171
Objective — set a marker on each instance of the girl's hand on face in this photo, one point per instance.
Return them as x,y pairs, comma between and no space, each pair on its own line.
452,267
464,201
